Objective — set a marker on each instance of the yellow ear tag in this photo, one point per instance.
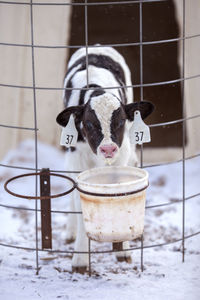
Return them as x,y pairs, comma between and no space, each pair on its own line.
69,134
139,132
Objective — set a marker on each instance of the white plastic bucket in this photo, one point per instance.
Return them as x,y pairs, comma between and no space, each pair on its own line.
113,202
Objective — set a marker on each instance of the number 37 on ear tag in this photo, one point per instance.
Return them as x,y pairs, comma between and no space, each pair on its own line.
69,134
139,132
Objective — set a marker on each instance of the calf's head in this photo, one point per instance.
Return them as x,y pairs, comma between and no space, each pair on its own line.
103,122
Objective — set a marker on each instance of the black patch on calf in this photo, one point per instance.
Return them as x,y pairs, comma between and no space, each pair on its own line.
97,93
99,61
68,92
117,125
69,86
145,108
87,88
63,118
92,128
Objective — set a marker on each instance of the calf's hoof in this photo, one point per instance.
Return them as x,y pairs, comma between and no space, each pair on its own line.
70,241
80,270
70,237
127,259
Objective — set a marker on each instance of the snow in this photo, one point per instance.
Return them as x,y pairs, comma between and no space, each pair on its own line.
164,275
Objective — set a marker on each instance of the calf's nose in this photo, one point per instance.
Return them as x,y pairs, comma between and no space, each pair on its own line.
108,150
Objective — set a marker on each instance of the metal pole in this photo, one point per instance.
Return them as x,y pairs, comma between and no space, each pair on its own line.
87,78
35,128
141,99
183,134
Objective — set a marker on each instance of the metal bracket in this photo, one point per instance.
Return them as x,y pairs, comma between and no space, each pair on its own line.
46,229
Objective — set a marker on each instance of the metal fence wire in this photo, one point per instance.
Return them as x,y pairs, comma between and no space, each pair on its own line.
141,85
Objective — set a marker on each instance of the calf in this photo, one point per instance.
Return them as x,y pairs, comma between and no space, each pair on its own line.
100,96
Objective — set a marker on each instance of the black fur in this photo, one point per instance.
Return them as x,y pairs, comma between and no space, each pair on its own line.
117,125
92,128
63,118
98,91
145,108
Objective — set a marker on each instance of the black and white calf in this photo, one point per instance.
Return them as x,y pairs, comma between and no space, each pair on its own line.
103,108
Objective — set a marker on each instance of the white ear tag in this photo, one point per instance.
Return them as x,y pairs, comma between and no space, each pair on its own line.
139,132
69,134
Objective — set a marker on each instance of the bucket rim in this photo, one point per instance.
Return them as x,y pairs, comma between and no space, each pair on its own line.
112,194
144,178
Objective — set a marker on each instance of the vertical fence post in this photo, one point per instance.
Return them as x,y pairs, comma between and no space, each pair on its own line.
141,99
87,80
46,229
183,133
35,129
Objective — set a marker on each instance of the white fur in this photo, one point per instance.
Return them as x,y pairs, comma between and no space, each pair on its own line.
104,105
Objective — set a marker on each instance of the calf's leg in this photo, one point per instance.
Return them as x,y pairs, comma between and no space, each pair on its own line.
80,262
71,222
124,255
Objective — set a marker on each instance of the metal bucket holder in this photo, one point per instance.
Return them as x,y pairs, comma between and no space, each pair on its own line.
45,200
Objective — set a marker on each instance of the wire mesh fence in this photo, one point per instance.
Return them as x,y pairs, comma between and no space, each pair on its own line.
141,86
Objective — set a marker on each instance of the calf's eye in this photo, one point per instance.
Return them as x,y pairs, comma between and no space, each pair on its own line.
89,125
121,123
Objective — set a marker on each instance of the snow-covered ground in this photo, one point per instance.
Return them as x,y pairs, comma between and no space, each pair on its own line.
164,275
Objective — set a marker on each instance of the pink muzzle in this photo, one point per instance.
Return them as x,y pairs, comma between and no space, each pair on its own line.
108,151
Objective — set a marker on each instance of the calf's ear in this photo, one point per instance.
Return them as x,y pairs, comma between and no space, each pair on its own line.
63,117
145,108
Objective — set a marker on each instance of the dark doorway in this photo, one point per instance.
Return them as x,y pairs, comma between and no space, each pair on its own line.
116,24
